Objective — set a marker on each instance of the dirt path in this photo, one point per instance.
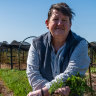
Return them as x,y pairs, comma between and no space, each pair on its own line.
4,90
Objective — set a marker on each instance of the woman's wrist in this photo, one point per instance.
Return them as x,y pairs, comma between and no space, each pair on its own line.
44,91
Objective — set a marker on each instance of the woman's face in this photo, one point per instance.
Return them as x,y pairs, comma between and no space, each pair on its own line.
59,25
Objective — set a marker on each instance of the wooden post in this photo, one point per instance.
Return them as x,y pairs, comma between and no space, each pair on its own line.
19,58
11,57
91,57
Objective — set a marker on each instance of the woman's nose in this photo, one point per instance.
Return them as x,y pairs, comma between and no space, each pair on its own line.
60,22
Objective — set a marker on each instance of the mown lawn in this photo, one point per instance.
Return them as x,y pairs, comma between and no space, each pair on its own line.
16,80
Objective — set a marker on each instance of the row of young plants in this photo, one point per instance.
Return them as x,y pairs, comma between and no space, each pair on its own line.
16,80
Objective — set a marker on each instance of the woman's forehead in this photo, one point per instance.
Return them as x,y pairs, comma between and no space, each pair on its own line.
56,13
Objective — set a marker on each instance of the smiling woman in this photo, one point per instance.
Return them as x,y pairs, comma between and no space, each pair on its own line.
59,25
57,54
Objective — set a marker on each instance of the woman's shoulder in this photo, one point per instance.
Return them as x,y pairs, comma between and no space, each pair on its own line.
41,37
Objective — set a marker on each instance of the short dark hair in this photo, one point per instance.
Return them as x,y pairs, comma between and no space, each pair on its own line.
63,8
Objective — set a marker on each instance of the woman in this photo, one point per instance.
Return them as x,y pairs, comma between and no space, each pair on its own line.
56,54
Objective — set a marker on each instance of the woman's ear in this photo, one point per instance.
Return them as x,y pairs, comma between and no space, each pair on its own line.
46,22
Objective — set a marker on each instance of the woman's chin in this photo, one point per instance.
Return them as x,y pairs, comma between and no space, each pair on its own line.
58,35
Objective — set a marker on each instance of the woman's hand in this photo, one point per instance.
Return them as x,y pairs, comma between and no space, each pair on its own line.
35,93
38,92
63,91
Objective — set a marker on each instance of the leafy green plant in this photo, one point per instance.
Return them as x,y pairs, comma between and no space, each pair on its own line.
55,86
77,84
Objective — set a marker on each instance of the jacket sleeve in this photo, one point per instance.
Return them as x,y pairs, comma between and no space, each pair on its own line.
79,62
35,78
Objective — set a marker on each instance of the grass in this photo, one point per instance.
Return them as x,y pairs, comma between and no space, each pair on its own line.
93,69
16,80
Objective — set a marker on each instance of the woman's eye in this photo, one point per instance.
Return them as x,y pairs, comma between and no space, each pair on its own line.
55,19
64,20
